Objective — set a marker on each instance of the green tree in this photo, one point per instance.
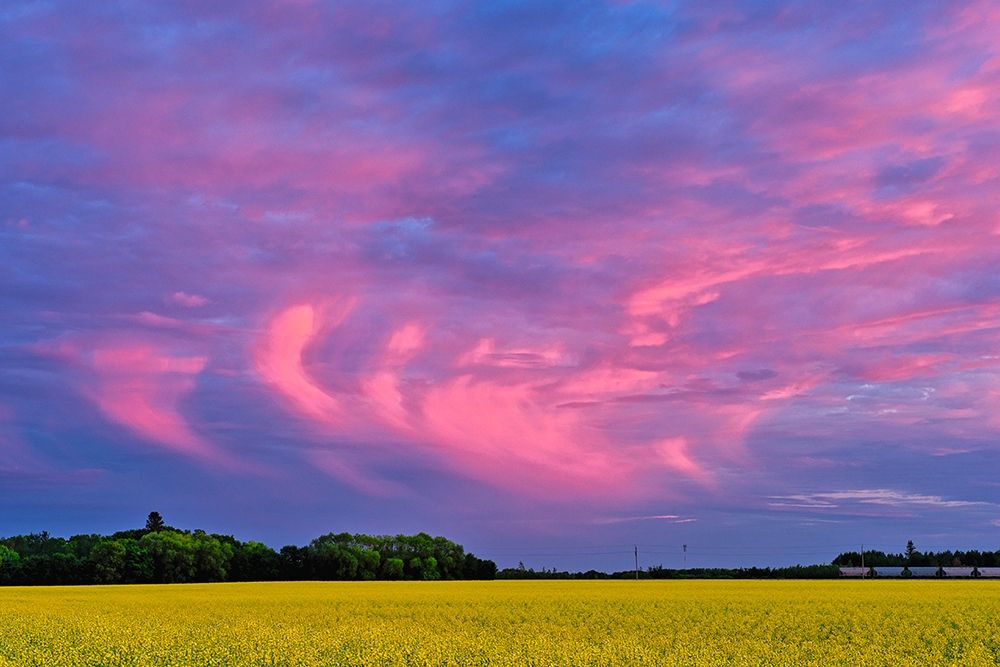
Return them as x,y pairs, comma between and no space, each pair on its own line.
430,569
254,561
415,568
107,559
393,569
450,558
477,568
64,568
138,563
369,561
154,522
172,556
211,556
293,563
168,555
81,545
9,562
8,556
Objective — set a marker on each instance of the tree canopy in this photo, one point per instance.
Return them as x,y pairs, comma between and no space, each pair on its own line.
154,522
911,556
162,554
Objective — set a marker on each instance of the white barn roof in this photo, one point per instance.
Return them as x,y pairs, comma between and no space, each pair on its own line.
888,571
853,571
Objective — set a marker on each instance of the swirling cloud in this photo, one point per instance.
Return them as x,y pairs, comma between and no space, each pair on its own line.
279,361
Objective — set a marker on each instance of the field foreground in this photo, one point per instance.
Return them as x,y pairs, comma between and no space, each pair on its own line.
505,623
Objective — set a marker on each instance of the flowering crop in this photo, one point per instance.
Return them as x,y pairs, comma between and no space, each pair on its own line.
505,623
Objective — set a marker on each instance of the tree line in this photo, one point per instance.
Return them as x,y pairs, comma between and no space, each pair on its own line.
660,572
162,554
911,557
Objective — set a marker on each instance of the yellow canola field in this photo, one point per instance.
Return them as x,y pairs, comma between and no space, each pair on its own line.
506,623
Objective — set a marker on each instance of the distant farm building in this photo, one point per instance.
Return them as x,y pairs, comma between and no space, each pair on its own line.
854,572
919,572
928,571
887,571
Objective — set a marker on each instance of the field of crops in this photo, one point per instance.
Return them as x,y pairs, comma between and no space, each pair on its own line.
505,623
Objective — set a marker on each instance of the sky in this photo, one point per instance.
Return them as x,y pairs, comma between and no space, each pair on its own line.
551,279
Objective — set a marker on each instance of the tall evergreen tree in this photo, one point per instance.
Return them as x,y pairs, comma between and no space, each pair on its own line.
154,522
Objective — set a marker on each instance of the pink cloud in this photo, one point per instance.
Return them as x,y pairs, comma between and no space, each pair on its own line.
607,379
406,340
510,433
674,453
188,300
383,390
382,387
669,518
195,328
141,387
508,416
279,360
487,353
506,435
661,311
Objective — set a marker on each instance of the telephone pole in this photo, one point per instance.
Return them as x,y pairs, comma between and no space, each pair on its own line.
862,561
636,562
685,556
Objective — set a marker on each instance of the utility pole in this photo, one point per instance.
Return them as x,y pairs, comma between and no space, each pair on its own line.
862,561
685,556
636,562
